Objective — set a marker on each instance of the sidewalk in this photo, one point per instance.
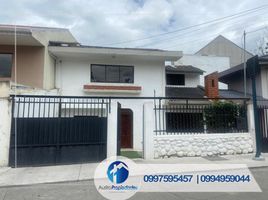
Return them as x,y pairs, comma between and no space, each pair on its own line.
64,173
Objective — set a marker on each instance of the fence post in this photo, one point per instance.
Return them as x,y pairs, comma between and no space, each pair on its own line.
251,125
112,130
5,122
148,130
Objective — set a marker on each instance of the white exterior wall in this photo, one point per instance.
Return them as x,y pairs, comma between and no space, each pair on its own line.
49,71
5,122
148,130
208,64
72,75
192,80
112,131
5,125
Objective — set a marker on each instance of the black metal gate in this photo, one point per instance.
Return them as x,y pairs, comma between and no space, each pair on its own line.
263,118
50,130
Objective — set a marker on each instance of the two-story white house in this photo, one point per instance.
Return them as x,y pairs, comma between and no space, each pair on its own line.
104,71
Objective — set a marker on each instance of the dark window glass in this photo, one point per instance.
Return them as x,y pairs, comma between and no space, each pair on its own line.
5,65
184,122
112,74
126,75
212,83
97,73
175,79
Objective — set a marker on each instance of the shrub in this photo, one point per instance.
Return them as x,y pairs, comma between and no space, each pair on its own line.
222,116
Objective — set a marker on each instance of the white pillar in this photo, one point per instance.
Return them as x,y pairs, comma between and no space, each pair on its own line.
112,130
148,130
5,123
251,125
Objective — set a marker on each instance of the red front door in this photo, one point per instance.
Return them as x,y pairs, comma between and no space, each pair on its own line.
126,128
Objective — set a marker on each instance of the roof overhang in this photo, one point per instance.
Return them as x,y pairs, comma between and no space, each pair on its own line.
185,69
238,71
23,37
88,52
231,73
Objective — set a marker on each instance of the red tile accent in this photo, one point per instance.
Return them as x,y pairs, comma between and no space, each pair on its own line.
110,87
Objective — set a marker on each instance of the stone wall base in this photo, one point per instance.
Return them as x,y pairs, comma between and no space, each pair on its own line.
202,145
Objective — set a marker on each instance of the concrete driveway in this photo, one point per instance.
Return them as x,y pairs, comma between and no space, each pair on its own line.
50,174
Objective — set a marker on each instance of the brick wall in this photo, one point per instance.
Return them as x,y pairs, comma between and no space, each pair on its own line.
212,85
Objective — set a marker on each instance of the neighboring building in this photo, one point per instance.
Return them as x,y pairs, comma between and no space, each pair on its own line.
221,46
35,65
183,81
208,64
234,78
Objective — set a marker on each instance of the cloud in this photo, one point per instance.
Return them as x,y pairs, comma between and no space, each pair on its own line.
105,22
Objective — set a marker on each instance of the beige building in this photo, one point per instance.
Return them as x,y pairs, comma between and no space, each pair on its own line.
35,65
221,46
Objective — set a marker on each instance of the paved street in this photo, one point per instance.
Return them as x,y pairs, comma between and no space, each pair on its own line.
86,190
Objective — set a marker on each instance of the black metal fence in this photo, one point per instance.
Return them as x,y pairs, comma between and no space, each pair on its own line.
263,120
184,117
48,130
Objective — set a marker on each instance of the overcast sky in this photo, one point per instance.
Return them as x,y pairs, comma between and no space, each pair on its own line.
116,22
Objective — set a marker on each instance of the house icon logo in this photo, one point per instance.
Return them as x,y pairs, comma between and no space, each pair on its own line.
117,172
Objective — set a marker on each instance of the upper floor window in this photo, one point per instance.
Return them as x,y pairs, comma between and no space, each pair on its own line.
5,65
112,73
175,79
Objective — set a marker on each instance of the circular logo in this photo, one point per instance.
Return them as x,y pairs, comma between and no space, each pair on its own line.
117,172
117,177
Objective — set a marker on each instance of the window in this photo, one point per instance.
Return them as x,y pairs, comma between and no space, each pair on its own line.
126,75
212,83
175,79
112,73
97,73
5,65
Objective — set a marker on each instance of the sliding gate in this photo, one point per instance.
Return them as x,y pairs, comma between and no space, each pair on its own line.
51,130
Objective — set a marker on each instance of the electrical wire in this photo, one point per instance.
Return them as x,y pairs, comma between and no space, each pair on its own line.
196,25
183,34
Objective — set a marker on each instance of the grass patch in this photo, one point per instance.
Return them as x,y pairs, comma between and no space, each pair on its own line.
131,154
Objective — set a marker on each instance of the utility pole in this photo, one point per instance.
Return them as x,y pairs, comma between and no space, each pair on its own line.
245,72
14,99
253,69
